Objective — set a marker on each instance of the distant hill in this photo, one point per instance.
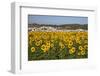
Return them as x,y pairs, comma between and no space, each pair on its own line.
61,27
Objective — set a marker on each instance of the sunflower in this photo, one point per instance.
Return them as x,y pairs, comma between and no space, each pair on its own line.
80,42
37,43
52,45
48,43
72,50
45,35
82,52
70,43
78,53
31,38
80,48
61,45
86,47
44,48
69,46
32,49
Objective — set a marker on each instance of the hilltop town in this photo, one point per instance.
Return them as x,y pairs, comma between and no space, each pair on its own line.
63,27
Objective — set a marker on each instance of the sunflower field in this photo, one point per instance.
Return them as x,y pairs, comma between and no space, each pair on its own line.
57,45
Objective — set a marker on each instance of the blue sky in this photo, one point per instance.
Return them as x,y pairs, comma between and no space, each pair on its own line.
44,19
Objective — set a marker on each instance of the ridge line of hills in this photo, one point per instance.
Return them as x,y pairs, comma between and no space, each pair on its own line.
62,26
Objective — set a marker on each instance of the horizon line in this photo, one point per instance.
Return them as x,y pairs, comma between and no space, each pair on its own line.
58,24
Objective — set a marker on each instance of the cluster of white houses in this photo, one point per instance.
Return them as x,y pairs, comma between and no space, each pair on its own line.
44,28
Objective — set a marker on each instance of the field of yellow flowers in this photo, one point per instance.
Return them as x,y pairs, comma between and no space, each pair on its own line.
57,45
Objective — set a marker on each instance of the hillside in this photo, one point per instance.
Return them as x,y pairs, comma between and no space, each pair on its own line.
58,27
